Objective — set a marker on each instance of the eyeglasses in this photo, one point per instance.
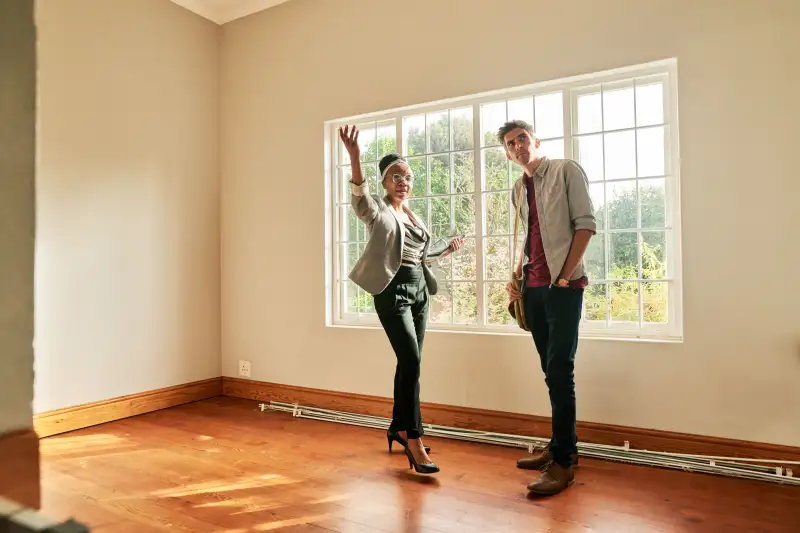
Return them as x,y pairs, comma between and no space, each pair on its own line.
397,178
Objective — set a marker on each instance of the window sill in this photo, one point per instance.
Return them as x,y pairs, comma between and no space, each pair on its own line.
584,335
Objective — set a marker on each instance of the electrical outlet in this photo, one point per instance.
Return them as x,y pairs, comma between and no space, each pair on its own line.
244,368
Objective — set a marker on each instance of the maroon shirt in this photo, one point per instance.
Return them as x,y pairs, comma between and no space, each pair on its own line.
537,272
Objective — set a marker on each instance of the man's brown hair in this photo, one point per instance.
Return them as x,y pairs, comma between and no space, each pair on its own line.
511,125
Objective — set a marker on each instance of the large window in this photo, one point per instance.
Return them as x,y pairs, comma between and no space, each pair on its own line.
621,126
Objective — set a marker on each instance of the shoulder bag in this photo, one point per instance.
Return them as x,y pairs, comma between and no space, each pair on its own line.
517,307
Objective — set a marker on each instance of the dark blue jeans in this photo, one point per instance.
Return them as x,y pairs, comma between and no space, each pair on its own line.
553,315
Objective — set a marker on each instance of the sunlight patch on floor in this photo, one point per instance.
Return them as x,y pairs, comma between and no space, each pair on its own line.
266,480
271,526
257,504
243,505
273,506
240,502
331,499
84,444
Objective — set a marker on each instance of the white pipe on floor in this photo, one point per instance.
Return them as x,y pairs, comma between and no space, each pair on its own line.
724,466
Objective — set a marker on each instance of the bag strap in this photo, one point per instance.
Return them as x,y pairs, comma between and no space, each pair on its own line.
515,262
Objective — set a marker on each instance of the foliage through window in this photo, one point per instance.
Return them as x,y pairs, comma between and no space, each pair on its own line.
619,126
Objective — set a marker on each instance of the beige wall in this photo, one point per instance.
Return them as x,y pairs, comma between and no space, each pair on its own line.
286,70
17,217
127,255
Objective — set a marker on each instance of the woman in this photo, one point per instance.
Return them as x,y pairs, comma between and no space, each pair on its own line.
394,268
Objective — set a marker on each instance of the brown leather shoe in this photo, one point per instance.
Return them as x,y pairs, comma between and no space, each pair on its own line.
555,479
540,460
535,461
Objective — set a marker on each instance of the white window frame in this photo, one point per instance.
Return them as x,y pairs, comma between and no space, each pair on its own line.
672,331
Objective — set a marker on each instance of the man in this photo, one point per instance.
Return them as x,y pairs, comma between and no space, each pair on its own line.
557,215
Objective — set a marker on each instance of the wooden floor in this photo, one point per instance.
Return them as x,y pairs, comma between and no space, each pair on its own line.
223,466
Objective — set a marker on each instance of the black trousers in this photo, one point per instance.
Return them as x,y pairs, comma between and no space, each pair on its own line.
403,311
553,315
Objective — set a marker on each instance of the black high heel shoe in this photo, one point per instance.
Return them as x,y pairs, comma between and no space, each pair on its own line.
421,469
393,435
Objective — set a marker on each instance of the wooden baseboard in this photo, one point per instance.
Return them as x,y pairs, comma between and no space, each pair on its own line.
511,423
91,414
19,468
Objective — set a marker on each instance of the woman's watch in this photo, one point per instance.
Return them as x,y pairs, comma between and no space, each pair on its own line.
561,282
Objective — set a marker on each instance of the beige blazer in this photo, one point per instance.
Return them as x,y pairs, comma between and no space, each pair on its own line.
382,255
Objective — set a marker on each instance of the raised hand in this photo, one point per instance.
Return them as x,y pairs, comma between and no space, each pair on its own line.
349,136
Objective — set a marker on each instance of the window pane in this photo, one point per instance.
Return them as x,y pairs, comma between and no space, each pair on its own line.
350,297
461,120
366,302
419,206
652,195
419,166
597,192
442,269
463,172
440,174
521,109
352,229
368,142
492,117
650,152
549,115
497,220
654,301
498,258
624,302
465,303
590,113
357,231
414,135
345,175
595,302
654,254
350,254
464,214
495,168
554,149
620,155
623,260
595,257
439,132
649,104
621,205
441,307
370,171
464,262
387,138
440,217
589,153
497,304
618,109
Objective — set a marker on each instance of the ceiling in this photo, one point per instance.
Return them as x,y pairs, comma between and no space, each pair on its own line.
222,11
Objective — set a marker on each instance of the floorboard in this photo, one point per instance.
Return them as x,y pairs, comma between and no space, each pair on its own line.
223,466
